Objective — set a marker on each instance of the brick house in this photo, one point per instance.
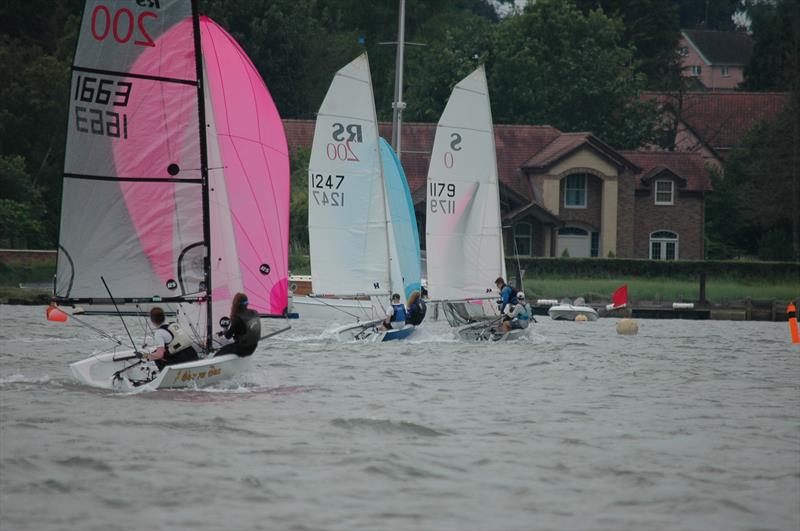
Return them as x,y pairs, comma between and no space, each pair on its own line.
716,59
572,192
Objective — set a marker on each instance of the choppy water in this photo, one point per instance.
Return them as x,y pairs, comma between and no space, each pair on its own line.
689,425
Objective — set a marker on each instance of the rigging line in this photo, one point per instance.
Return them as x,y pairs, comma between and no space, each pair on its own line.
358,318
143,322
100,331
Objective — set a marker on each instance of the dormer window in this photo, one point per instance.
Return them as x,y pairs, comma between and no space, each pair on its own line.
665,191
726,71
696,70
575,191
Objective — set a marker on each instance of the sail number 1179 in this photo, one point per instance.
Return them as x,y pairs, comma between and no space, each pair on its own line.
441,197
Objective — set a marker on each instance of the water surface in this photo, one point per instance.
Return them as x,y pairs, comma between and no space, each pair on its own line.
689,425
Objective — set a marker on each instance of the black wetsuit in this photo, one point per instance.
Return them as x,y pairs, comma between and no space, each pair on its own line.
245,330
416,312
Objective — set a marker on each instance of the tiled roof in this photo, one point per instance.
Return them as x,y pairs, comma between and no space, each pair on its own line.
721,47
689,166
556,149
514,144
722,119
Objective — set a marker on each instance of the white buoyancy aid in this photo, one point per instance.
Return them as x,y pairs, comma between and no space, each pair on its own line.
180,339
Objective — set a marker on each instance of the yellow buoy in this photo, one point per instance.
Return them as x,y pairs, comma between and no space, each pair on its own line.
627,327
581,318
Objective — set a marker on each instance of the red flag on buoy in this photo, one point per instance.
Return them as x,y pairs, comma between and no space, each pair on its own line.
620,297
53,313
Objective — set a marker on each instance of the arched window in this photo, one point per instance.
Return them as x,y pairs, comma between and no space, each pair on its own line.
663,245
523,239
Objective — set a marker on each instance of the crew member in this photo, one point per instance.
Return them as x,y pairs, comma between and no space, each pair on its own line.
245,328
395,315
519,317
507,295
416,309
173,345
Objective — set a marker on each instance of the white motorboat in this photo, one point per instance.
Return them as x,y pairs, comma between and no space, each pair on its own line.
569,311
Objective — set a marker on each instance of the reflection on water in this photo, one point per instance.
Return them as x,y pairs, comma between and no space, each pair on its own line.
689,425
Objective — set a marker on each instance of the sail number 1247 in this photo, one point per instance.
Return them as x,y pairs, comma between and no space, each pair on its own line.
325,190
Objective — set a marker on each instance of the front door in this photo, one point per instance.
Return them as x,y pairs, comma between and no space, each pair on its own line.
575,241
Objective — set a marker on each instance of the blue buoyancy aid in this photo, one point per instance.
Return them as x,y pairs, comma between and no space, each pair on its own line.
507,296
399,312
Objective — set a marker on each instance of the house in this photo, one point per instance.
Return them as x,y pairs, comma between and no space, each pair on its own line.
570,193
714,123
715,58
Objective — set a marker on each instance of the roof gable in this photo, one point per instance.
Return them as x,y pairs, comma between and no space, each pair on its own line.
568,143
687,167
721,47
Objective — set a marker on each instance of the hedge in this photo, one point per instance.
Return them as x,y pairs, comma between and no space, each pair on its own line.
622,267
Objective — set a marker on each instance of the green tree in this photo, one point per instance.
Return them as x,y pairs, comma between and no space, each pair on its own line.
298,207
755,208
554,65
650,28
775,63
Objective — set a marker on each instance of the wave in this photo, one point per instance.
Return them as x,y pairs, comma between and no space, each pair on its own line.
21,378
386,426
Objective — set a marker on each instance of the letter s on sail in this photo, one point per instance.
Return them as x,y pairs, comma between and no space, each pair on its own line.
455,141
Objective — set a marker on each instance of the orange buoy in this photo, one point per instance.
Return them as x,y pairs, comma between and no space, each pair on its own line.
54,313
791,314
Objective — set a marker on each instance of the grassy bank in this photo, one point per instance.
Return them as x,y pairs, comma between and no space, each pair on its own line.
661,289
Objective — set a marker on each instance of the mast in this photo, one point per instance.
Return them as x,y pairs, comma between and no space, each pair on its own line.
398,104
201,113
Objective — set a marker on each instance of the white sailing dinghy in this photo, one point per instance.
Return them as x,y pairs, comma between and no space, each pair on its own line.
464,239
358,248
176,183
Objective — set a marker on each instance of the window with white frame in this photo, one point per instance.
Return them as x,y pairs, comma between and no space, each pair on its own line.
665,191
663,245
523,239
726,71
575,191
696,70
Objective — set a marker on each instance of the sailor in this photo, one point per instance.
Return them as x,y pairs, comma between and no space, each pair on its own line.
395,315
245,328
507,295
416,309
173,345
519,317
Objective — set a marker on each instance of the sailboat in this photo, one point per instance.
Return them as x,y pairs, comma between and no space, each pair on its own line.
360,216
176,184
464,238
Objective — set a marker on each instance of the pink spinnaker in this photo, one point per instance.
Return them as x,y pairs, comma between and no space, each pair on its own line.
248,168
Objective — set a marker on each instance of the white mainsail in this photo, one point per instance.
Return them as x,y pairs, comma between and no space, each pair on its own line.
463,232
347,212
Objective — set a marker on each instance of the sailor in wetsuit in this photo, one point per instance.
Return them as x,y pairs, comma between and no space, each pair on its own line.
245,328
173,345
395,315
416,309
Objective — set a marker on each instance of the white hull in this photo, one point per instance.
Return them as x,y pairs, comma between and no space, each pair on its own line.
99,370
491,331
368,331
568,312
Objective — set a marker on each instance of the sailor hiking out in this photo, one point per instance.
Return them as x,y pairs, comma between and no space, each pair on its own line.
395,315
245,328
416,309
518,316
508,295
173,344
